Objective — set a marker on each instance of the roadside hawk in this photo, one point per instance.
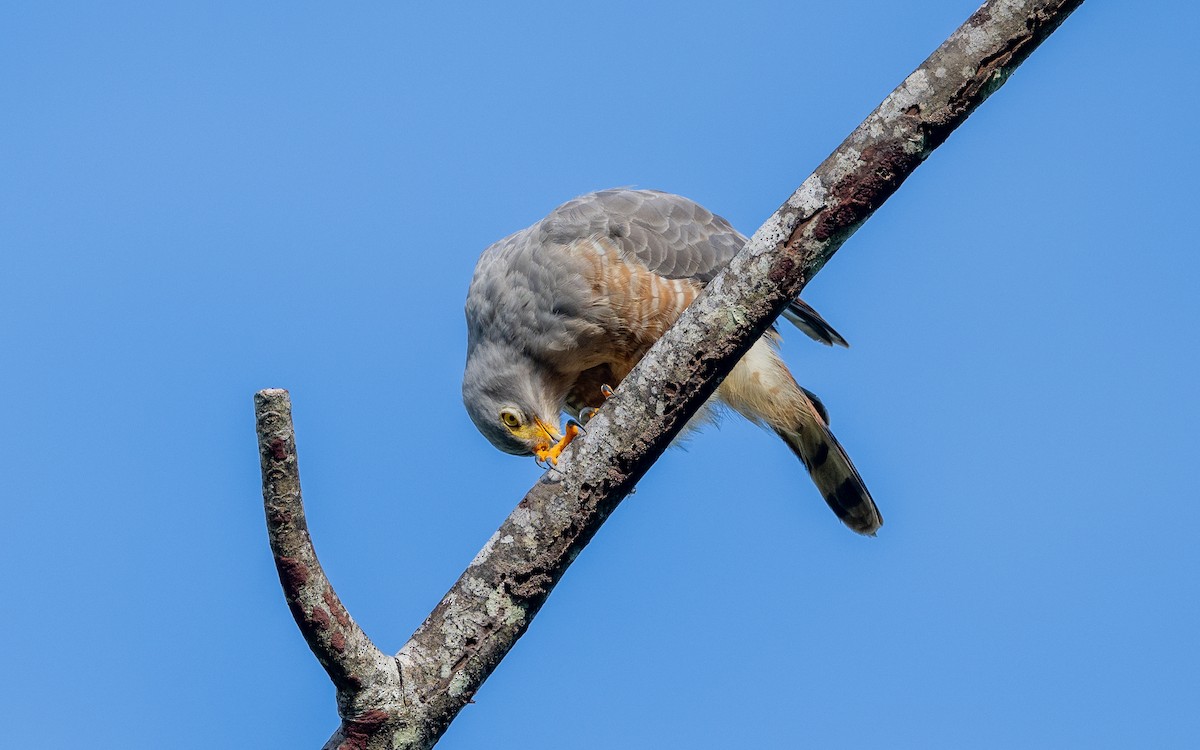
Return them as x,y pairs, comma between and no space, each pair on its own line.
560,311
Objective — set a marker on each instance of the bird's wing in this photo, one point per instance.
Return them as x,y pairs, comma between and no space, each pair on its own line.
671,236
800,314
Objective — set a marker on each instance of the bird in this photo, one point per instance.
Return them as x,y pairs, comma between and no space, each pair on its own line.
560,312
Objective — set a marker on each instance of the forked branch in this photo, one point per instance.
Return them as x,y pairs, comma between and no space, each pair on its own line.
364,676
409,702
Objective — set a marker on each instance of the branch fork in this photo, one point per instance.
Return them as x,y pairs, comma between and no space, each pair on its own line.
409,700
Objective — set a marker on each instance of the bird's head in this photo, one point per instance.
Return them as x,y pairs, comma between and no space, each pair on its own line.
513,401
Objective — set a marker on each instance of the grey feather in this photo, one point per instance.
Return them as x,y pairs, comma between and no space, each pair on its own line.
535,333
672,236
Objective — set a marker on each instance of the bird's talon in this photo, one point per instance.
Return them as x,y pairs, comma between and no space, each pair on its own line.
551,454
586,415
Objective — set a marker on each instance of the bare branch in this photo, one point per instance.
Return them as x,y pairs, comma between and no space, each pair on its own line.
492,604
366,679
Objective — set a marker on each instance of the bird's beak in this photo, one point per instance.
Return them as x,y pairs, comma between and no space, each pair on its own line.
552,437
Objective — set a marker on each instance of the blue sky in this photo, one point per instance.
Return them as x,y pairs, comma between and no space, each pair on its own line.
198,200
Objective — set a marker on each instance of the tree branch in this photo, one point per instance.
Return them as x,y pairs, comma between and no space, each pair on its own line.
492,604
366,679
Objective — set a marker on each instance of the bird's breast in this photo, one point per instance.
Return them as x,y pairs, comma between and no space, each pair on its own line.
641,304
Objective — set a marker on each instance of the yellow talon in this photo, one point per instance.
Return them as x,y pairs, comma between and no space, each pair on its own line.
552,453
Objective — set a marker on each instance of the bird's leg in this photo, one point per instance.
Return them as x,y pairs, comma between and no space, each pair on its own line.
570,431
586,415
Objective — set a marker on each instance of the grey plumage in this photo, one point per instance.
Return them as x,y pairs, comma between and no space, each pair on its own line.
572,302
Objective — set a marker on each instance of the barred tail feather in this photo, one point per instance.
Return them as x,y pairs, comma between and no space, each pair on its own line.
761,389
834,475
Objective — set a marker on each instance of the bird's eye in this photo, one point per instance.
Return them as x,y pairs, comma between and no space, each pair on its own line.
510,419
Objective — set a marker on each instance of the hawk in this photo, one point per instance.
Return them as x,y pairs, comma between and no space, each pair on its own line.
559,312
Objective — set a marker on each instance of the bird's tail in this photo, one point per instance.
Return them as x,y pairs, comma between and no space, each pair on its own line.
761,389
832,471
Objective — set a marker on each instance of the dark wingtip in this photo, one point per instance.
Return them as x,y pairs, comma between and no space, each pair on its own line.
808,320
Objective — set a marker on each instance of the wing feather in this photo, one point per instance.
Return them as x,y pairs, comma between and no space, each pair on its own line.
670,235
